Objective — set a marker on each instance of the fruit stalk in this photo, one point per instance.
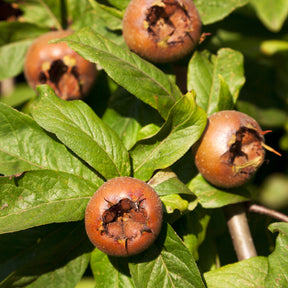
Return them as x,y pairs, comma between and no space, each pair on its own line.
239,230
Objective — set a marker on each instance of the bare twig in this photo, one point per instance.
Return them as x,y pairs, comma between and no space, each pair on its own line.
6,86
251,207
240,231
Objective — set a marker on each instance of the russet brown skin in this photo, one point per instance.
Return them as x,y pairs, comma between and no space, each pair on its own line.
163,30
69,74
123,217
230,150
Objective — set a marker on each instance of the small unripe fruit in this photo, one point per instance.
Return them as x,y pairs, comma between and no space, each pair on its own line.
231,149
123,217
161,30
69,74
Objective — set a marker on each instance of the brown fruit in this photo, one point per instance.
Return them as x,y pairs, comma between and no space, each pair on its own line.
161,30
69,74
231,149
123,217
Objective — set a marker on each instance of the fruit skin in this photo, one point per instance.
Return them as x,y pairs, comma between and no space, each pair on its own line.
129,234
230,150
69,74
147,37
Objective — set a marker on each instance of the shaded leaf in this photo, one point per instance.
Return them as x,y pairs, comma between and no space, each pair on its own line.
214,10
136,75
12,58
174,202
166,182
274,191
14,31
278,259
270,117
192,229
126,115
182,129
213,76
167,263
41,197
80,129
22,92
120,4
43,13
26,146
110,271
212,197
240,274
272,16
49,256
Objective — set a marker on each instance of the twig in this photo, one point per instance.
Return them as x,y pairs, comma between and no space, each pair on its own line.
6,86
240,231
251,207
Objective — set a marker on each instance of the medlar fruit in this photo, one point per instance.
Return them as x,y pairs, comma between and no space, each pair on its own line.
231,149
123,217
161,30
70,75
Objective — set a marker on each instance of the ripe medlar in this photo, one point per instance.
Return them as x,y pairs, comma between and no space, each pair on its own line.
161,30
70,75
123,217
231,149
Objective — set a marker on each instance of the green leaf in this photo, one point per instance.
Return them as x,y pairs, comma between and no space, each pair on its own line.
80,129
48,256
212,197
192,229
182,129
240,274
43,13
110,271
26,146
269,117
214,10
14,31
126,115
278,259
174,202
273,193
213,76
166,182
120,4
136,75
100,18
41,197
15,38
167,263
21,94
272,16
12,58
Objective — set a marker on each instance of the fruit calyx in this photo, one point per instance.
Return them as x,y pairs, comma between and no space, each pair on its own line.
162,19
246,150
125,220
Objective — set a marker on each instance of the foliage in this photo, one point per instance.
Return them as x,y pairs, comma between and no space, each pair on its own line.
139,121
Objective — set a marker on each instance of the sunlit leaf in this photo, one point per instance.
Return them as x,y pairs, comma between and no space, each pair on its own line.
136,75
80,129
41,197
182,129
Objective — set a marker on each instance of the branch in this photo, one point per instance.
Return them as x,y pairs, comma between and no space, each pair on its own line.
240,231
266,211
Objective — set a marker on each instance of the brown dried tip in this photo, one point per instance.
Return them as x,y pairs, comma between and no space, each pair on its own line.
161,30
